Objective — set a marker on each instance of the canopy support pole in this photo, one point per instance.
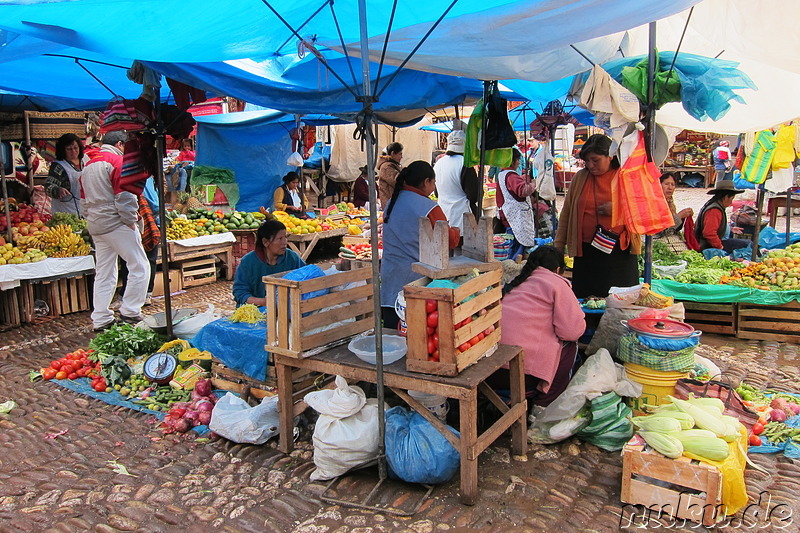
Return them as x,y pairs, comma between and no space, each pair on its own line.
367,101
788,215
757,228
5,197
651,137
162,213
484,120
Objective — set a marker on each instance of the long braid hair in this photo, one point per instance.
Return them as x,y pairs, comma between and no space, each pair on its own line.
414,175
543,256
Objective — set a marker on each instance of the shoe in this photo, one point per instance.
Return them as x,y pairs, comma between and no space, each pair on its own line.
131,319
105,326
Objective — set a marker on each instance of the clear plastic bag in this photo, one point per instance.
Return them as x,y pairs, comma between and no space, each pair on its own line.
234,419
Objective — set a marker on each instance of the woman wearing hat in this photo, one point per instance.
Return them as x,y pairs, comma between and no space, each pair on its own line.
605,255
361,189
458,187
289,198
711,227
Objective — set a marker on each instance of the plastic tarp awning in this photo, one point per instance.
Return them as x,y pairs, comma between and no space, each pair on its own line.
482,39
692,292
255,146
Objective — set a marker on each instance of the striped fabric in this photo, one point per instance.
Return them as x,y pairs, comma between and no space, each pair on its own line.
151,235
610,428
759,162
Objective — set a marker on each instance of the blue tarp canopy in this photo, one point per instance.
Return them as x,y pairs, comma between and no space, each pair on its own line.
255,146
482,39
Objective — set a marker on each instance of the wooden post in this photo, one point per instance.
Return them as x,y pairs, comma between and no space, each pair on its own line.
478,243
434,246
468,427
285,391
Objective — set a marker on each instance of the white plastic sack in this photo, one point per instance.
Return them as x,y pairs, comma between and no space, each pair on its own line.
295,160
598,375
188,328
346,434
234,419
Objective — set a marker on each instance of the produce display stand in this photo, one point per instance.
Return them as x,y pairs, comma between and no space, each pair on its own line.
197,264
245,243
464,388
645,474
769,322
303,244
16,306
64,295
720,318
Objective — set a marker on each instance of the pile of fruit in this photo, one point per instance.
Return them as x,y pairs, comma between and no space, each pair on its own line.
300,226
78,364
361,251
11,255
60,241
432,311
778,271
24,218
197,222
349,209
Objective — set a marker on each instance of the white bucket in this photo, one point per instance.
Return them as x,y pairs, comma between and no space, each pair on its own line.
435,404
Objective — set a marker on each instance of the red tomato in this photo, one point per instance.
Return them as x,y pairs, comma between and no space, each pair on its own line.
431,345
464,347
49,373
758,428
55,365
433,319
434,356
480,336
488,330
72,376
466,321
74,356
99,387
69,369
436,339
61,375
430,306
474,340
755,440
81,372
431,330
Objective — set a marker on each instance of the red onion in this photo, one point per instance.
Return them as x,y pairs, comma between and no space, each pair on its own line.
204,405
204,418
203,387
777,415
183,425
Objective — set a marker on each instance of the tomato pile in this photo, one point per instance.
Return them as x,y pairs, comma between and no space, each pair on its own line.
433,334
77,365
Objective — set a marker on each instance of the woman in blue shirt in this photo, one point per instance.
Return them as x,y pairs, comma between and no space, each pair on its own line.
269,257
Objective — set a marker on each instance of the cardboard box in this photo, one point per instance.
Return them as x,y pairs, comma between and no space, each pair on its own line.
174,282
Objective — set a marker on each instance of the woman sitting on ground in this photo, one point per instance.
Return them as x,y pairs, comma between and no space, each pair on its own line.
269,257
672,235
541,314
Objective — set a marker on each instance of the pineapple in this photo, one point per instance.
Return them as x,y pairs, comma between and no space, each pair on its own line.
180,207
193,202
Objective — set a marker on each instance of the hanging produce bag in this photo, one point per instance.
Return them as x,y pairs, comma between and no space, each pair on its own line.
638,200
499,131
500,157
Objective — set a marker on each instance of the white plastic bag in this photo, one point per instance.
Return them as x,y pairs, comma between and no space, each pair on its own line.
346,434
234,419
188,328
295,160
598,375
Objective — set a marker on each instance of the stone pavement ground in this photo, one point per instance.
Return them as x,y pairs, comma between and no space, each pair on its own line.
67,484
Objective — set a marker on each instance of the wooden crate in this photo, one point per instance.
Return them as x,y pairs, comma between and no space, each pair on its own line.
645,472
712,317
16,306
245,243
769,322
223,252
64,296
198,271
453,308
293,331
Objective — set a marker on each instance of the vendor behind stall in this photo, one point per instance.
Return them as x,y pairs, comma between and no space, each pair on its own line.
712,223
288,196
541,314
269,257
409,202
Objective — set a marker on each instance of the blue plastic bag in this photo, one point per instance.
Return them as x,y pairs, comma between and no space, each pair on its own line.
772,239
415,450
304,273
238,345
743,253
710,253
668,345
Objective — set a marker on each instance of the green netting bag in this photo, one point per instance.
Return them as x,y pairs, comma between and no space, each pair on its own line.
630,350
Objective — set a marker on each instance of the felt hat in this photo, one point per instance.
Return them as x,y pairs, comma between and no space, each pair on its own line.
363,169
725,186
456,141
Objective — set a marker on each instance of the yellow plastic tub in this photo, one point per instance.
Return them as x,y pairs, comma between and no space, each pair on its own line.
656,385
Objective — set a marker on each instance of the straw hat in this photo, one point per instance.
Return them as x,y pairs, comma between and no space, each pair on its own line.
725,186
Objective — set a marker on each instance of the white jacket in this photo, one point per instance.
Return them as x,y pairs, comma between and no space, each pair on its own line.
103,203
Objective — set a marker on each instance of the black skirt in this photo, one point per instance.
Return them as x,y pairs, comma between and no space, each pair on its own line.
595,272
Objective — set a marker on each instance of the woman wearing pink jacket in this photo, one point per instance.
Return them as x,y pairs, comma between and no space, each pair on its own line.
541,314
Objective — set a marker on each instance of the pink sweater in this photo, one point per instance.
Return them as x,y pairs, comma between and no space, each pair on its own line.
538,315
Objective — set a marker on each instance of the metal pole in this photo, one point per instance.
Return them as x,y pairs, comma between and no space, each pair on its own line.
29,152
373,224
5,196
484,120
788,214
650,137
162,213
757,229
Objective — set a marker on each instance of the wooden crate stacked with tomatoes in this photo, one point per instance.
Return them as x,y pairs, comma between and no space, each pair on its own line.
450,329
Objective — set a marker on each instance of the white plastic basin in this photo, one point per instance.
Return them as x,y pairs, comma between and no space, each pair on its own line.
394,348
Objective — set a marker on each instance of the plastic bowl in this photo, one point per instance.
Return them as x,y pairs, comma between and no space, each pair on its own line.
394,348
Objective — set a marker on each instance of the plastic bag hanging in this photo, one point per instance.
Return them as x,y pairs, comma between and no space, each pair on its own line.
499,131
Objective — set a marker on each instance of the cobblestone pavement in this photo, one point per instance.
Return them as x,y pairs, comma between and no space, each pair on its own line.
178,484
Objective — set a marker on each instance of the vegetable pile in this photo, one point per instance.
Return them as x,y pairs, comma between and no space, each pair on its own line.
248,313
78,364
778,271
183,416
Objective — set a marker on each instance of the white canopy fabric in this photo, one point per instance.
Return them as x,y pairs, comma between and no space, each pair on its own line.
762,35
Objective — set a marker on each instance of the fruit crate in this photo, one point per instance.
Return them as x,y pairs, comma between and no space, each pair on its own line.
297,327
769,322
245,243
718,318
677,488
66,295
198,271
453,306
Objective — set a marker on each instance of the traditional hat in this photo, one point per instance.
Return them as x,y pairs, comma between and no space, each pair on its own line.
456,141
725,186
363,169
724,143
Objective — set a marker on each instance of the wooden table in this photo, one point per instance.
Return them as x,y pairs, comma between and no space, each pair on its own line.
222,251
302,244
463,387
776,202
